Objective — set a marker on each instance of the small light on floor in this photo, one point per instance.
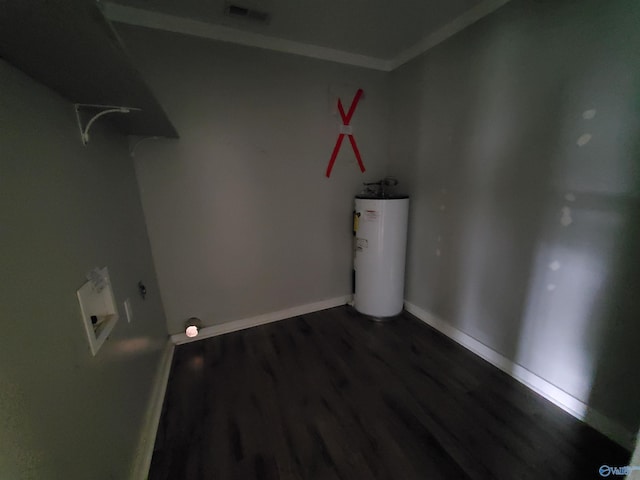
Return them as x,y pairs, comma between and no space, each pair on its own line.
191,331
192,327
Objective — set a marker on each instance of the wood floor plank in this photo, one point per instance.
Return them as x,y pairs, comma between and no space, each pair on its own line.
332,395
434,401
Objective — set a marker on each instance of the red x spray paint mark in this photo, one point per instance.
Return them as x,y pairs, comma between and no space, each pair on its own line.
346,130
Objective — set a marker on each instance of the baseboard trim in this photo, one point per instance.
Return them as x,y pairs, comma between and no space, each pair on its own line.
144,452
235,325
559,397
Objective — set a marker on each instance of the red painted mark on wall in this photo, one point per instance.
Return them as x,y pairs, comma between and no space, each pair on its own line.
345,129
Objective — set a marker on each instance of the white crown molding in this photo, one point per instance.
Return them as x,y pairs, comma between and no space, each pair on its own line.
242,324
171,23
559,397
469,17
186,26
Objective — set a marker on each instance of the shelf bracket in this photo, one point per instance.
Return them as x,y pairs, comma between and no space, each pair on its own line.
102,110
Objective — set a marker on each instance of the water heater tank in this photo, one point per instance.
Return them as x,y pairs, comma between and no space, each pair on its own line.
380,226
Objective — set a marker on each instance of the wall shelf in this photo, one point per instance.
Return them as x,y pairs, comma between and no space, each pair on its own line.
69,46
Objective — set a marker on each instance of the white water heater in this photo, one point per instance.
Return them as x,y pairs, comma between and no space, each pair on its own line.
380,226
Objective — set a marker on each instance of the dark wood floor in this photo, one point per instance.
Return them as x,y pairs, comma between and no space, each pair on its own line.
333,395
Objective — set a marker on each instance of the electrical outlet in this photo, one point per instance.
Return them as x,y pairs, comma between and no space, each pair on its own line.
127,310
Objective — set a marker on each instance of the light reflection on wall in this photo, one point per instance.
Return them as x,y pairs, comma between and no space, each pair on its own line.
128,347
562,327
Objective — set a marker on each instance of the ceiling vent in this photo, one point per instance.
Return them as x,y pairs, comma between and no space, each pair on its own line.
250,14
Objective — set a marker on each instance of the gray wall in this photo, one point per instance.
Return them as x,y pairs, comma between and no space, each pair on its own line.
241,218
485,135
67,208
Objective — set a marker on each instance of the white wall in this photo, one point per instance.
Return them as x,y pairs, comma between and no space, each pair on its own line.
241,218
484,133
65,209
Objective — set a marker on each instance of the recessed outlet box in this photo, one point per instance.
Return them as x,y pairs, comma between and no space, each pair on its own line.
98,308
127,310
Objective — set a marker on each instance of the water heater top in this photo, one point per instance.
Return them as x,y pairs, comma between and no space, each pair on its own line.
382,196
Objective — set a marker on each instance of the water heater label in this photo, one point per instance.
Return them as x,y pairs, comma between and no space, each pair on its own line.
371,215
361,244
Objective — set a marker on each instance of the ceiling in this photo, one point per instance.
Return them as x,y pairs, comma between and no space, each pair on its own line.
379,29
